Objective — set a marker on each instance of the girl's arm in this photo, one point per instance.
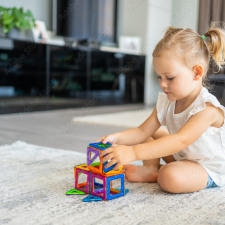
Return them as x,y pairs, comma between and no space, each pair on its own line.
174,143
164,146
136,135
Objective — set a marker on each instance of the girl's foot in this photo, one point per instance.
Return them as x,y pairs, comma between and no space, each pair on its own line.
140,174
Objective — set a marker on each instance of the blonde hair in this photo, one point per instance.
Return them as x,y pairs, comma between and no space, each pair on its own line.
192,46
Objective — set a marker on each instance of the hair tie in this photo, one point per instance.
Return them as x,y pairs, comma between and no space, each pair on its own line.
203,37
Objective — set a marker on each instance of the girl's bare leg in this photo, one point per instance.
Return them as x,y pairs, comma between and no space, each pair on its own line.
182,177
149,171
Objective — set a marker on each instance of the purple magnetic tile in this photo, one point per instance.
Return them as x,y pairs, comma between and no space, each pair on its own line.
95,192
89,150
99,190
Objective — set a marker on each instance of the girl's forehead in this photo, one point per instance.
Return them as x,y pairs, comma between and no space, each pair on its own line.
164,61
164,65
167,55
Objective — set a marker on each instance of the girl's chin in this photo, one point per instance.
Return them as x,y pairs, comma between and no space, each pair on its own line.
171,98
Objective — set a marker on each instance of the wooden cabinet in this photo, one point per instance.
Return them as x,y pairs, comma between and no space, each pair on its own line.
49,77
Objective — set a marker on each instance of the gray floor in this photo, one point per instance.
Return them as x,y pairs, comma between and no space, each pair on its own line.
55,129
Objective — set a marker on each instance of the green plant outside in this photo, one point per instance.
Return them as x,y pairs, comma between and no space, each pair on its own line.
15,18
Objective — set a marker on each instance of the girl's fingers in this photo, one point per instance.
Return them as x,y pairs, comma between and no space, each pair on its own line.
105,152
104,141
112,162
118,165
107,157
100,139
109,138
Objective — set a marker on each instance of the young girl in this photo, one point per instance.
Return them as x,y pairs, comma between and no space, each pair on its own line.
193,146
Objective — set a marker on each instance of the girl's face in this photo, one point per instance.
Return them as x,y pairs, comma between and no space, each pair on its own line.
175,79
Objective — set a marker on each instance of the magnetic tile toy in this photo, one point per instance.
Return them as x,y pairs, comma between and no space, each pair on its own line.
98,181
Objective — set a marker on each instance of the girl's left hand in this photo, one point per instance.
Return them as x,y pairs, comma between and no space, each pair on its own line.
120,154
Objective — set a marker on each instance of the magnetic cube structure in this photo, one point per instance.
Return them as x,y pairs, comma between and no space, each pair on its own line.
96,149
98,180
99,185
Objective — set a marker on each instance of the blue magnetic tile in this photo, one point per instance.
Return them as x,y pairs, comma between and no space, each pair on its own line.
109,197
98,185
92,198
126,190
100,145
108,169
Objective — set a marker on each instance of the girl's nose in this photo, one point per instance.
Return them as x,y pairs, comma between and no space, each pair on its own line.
163,83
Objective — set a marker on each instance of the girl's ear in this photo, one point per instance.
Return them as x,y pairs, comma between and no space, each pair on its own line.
198,71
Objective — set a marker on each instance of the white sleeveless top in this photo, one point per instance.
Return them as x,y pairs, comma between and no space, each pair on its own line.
209,149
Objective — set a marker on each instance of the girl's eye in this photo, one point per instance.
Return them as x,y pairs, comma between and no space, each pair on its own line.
170,78
158,77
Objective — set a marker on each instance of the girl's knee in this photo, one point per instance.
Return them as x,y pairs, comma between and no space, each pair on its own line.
169,179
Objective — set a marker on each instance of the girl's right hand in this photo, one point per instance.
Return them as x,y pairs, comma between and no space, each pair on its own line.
111,138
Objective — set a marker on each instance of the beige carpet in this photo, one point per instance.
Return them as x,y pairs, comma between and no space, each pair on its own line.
126,119
34,179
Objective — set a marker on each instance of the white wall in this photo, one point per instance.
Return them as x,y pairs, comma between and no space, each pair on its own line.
159,18
163,13
132,19
185,14
41,9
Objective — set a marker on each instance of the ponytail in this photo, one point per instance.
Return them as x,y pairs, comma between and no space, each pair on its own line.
215,42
